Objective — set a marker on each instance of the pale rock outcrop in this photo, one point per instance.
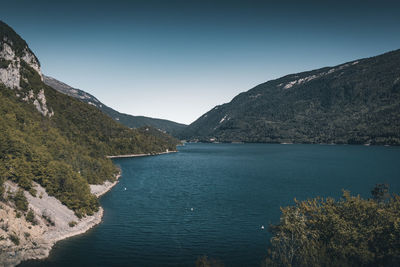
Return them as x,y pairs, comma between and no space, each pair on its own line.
54,222
315,76
40,104
100,189
11,75
31,60
7,52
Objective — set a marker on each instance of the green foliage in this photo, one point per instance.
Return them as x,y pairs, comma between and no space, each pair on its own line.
20,201
64,153
204,261
350,103
156,134
130,121
13,39
32,80
67,152
31,149
2,179
4,63
380,192
48,219
14,238
30,217
72,223
349,232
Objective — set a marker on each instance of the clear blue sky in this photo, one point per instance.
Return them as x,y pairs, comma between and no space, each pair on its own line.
178,59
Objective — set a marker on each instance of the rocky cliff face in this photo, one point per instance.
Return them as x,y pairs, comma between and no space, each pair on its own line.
18,65
10,71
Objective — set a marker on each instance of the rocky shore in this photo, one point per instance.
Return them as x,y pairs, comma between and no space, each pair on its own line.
21,240
100,189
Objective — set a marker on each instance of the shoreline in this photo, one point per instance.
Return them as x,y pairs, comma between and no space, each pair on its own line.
95,219
49,236
100,189
140,155
44,237
290,143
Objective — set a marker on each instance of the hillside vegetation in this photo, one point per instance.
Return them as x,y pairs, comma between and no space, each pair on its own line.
353,103
350,232
170,127
55,140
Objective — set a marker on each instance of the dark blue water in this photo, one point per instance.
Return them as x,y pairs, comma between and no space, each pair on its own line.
233,189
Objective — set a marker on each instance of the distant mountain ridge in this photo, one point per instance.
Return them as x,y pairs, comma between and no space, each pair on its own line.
131,121
353,103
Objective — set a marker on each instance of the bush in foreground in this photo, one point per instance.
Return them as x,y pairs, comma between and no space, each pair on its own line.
204,261
349,232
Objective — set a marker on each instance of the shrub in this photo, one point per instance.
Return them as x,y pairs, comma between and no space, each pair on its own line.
32,191
48,219
349,232
4,63
30,217
204,261
14,238
4,226
21,203
1,188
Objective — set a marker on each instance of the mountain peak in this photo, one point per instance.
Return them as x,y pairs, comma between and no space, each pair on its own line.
15,52
20,69
13,39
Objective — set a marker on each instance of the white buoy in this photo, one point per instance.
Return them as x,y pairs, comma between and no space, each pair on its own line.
125,189
262,227
191,209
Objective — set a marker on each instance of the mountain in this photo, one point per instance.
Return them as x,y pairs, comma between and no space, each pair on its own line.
353,103
53,139
53,156
130,121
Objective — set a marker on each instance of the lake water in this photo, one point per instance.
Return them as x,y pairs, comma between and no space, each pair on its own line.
212,199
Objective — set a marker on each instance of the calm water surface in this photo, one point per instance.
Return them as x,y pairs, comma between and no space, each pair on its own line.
212,199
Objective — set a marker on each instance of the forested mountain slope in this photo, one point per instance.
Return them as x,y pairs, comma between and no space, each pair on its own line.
355,103
53,139
130,121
